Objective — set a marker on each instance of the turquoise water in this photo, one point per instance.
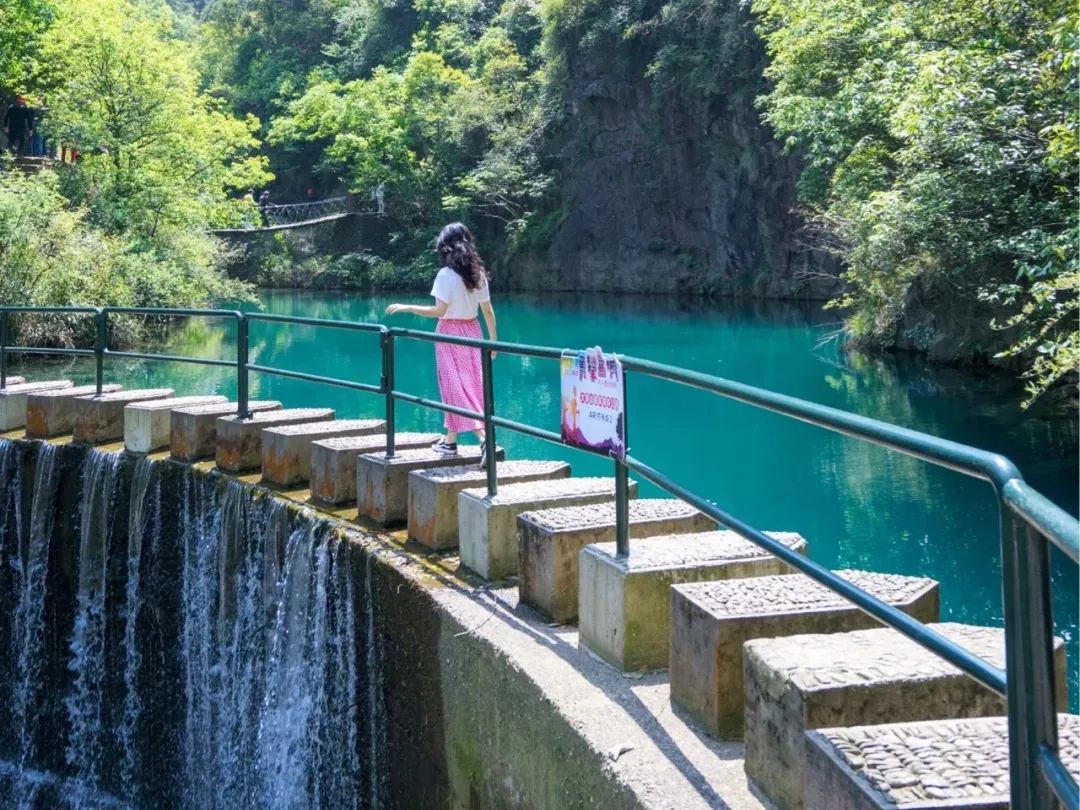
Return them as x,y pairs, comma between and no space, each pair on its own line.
859,506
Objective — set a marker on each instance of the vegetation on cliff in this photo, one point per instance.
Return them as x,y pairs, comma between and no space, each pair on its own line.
938,143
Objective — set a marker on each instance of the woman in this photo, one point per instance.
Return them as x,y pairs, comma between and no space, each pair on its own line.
461,287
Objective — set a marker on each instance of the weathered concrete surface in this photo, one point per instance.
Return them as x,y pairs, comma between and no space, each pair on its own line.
710,621
487,527
193,431
333,462
625,602
52,412
239,441
382,484
932,765
100,419
286,450
433,495
147,424
13,380
13,400
866,677
550,541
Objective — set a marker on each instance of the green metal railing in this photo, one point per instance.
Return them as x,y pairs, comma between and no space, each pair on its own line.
1028,520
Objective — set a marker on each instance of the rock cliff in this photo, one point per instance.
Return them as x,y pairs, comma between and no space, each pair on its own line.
667,192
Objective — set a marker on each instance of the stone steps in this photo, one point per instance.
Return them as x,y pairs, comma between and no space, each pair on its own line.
239,441
193,430
625,602
286,450
864,677
333,462
487,527
382,484
931,765
13,400
710,621
433,495
550,542
52,412
100,419
147,424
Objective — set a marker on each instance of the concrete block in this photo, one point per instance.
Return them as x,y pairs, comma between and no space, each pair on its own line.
624,603
193,431
931,765
487,527
13,400
52,412
382,484
433,495
286,450
13,380
550,541
333,462
100,419
239,441
865,677
710,621
147,424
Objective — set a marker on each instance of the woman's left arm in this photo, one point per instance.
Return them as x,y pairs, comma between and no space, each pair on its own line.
489,319
436,311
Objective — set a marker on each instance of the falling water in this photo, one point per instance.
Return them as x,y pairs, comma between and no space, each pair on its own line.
29,626
85,704
214,645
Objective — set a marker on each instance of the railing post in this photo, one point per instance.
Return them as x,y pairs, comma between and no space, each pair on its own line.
1025,563
243,411
4,316
489,424
388,388
100,342
622,489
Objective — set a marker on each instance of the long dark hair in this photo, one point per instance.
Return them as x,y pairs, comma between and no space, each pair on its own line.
457,250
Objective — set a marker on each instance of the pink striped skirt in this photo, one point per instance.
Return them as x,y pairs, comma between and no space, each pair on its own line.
461,377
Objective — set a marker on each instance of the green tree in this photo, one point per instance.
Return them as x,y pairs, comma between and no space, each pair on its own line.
940,146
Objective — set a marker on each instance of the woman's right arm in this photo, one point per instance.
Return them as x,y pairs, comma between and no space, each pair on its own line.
489,319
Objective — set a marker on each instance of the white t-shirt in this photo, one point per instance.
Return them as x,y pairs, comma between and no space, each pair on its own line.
461,302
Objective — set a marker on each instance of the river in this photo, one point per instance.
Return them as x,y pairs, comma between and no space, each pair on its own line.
859,506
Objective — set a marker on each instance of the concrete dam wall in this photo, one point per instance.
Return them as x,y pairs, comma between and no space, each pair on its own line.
173,638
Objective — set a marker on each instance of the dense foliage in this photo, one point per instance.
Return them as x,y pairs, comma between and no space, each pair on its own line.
159,162
940,141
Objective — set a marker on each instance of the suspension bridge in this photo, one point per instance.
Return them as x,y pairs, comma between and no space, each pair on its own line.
296,215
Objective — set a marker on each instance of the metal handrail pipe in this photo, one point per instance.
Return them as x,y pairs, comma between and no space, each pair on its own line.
332,324
989,676
1058,777
177,312
315,378
52,310
46,350
171,358
521,349
1043,515
991,467
436,405
529,430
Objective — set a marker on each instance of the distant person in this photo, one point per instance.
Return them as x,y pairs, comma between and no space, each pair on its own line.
264,204
461,286
18,126
248,202
377,196
312,195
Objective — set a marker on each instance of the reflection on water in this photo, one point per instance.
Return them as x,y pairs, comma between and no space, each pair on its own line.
858,505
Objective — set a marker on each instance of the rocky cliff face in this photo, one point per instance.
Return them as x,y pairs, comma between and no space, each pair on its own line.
667,193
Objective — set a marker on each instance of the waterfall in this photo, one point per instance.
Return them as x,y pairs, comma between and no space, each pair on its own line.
29,625
211,646
85,704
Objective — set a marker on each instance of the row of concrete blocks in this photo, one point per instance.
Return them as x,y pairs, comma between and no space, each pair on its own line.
733,627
